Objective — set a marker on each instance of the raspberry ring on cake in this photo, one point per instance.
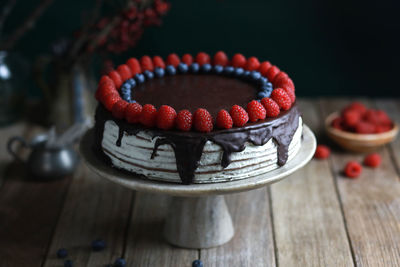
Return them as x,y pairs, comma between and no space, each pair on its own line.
217,119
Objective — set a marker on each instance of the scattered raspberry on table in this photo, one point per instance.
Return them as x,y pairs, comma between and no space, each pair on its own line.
322,152
372,160
352,169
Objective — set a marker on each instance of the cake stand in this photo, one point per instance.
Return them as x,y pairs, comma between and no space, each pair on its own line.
198,216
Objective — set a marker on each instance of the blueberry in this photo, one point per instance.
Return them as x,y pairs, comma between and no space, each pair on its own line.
159,72
239,72
149,74
197,263
194,68
140,78
206,68
262,94
62,253
98,244
126,88
218,69
183,68
131,82
267,90
68,263
255,75
263,81
246,74
120,262
126,97
228,70
269,85
170,70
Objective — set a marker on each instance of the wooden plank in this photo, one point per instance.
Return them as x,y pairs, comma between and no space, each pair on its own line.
308,222
145,244
392,107
253,243
28,214
371,205
94,208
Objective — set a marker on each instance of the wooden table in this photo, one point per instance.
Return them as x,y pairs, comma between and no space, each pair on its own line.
318,219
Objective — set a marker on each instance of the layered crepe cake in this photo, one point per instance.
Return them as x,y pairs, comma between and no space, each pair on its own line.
197,119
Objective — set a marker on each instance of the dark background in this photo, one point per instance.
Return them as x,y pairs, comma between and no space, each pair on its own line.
328,47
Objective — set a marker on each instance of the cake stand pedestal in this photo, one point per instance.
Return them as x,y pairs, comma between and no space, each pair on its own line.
198,216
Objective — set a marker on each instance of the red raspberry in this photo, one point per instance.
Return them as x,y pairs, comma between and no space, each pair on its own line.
238,61
371,117
264,66
220,58
106,87
271,107
358,107
184,120
280,76
105,79
284,83
158,62
338,123
187,59
110,99
173,60
224,120
148,115
383,118
256,111
202,58
322,152
133,112
118,109
116,78
239,115
166,116
203,121
252,64
134,66
125,72
146,63
383,128
353,169
281,98
351,118
272,72
291,94
372,160
363,127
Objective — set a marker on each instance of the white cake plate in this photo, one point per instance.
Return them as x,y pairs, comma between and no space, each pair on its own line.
198,216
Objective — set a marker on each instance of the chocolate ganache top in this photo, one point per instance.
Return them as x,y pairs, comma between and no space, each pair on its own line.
192,91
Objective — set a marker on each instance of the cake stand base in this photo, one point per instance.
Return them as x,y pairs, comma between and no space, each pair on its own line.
198,216
199,222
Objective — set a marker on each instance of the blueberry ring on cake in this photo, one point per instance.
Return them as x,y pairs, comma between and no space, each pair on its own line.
197,119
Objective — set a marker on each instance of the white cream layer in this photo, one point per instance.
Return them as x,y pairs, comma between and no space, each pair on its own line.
134,155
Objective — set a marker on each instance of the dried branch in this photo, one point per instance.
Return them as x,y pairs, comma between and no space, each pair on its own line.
7,8
28,24
83,38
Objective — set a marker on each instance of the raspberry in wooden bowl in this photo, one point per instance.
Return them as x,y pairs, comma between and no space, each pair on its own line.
359,129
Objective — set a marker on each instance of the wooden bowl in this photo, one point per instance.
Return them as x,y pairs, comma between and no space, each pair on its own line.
359,142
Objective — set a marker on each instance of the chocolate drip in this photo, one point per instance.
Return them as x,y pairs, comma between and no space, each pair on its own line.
188,152
188,146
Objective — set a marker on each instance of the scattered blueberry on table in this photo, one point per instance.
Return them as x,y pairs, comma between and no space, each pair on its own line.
62,253
197,263
98,244
120,262
68,263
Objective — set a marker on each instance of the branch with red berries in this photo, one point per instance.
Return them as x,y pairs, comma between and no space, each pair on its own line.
118,31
